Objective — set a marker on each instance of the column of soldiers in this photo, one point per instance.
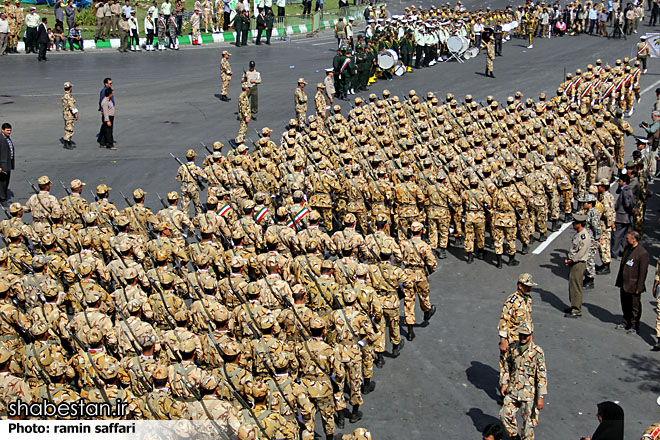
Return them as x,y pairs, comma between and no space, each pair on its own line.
280,291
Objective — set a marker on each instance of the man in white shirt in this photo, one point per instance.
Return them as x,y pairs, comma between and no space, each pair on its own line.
4,33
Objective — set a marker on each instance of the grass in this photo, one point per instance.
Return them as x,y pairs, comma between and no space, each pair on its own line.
88,29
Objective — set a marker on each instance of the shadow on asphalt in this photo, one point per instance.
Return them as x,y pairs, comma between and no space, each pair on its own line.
644,370
480,419
552,299
556,263
484,377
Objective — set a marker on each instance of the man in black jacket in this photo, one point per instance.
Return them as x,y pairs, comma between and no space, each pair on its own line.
6,160
631,282
42,39
245,28
261,25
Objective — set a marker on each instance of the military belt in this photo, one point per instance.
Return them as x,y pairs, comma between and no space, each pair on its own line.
387,292
185,399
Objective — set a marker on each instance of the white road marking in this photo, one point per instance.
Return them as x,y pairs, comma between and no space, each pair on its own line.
550,239
649,88
321,44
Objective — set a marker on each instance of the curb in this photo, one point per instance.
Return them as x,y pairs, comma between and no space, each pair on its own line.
224,37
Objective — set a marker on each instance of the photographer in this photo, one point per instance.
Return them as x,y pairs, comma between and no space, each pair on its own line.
652,129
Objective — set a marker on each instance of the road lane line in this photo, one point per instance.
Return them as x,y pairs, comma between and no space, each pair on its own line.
551,238
649,88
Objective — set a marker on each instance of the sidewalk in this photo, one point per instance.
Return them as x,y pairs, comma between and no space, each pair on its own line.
223,37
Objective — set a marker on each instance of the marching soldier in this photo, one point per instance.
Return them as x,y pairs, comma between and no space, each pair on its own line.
320,102
70,114
300,102
244,110
190,176
523,384
420,262
225,75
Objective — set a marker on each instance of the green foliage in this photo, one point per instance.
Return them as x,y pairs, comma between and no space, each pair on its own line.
86,17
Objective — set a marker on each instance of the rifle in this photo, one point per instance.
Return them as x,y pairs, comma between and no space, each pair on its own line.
145,229
198,180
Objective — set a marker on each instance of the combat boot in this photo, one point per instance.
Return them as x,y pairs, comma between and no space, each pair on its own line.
604,269
459,241
492,75
513,261
555,224
525,249
588,283
443,253
329,437
656,347
480,254
429,314
411,333
543,237
380,360
396,349
470,258
499,261
356,414
368,386
339,419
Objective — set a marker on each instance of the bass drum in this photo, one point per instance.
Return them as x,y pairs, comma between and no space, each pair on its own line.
465,44
400,69
471,52
455,44
387,59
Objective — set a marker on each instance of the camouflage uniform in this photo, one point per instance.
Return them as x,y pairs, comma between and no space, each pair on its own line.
300,102
525,381
244,111
69,113
420,262
189,175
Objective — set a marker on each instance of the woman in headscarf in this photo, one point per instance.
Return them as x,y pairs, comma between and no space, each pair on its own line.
610,416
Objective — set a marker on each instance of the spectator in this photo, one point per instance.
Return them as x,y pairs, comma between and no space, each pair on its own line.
115,12
593,19
75,38
70,12
618,27
43,39
610,416
60,41
270,21
59,14
631,281
544,24
655,10
106,139
166,9
560,27
307,7
602,23
178,16
126,9
281,8
319,6
629,14
261,25
623,208
4,33
51,39
227,14
7,161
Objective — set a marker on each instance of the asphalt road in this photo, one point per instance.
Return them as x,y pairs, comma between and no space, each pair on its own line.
443,385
